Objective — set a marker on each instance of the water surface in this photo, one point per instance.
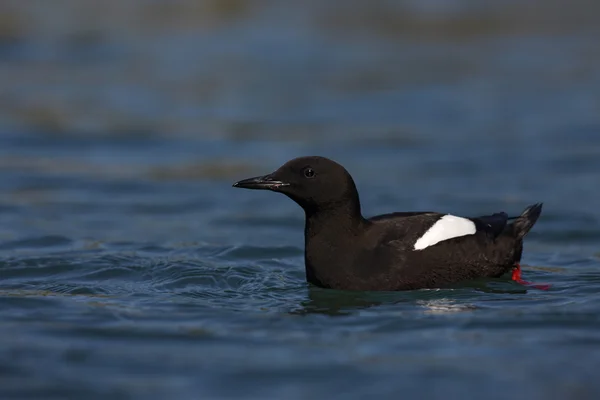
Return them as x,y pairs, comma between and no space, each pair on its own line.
129,267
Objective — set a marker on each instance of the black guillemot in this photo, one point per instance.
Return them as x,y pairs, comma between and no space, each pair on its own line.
397,251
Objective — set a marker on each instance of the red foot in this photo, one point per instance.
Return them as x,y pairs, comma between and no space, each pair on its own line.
516,276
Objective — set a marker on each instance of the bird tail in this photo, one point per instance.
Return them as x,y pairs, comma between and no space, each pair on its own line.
526,220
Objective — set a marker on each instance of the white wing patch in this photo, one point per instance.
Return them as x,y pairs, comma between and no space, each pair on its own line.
447,227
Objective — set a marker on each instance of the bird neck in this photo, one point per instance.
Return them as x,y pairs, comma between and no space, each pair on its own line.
343,217
330,237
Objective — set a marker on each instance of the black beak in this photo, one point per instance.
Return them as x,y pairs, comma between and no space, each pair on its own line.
260,182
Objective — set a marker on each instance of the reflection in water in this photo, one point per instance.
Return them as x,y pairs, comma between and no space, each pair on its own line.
445,306
436,301
336,302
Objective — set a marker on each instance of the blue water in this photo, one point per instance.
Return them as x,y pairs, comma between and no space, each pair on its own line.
130,269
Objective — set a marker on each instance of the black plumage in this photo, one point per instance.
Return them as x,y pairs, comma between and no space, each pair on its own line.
344,250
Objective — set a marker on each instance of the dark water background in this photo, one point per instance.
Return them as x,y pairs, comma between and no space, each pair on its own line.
129,267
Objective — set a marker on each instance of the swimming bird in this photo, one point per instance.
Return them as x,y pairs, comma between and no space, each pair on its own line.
391,252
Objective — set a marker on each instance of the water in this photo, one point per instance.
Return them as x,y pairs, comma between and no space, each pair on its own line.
129,267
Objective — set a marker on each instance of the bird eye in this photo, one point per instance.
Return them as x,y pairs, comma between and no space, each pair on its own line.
309,172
